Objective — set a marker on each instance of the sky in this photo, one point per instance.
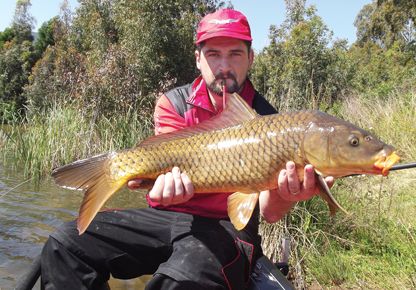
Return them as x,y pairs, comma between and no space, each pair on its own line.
338,15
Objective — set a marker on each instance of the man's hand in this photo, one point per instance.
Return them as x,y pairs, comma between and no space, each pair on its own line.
289,187
171,188
274,204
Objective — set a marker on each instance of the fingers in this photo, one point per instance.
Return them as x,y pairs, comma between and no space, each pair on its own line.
156,193
188,186
179,187
282,183
290,188
168,192
172,188
288,183
330,181
292,178
134,183
309,181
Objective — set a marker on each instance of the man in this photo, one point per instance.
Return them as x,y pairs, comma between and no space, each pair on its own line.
185,241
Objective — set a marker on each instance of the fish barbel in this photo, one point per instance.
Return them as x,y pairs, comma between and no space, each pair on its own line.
236,151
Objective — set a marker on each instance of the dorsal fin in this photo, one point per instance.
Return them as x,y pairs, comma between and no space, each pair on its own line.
235,112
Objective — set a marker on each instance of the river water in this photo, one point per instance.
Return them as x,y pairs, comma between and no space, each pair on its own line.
29,213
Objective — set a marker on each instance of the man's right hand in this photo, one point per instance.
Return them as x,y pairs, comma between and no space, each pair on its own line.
171,188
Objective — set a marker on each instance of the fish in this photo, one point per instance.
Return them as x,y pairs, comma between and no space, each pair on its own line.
236,151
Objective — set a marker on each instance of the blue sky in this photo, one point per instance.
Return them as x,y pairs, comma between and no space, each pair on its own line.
338,15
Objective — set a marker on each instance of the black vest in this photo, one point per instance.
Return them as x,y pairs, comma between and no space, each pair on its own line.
179,95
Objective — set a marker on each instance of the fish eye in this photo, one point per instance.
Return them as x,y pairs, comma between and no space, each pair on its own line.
354,141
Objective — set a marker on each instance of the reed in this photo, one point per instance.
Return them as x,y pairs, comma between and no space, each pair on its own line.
63,134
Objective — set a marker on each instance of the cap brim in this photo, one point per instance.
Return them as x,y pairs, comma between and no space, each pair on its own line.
223,34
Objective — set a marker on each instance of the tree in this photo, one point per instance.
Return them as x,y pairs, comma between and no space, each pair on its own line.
6,36
384,54
159,37
22,21
45,37
118,54
16,56
299,69
385,22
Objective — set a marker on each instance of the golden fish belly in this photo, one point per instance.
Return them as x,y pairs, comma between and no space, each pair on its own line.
244,158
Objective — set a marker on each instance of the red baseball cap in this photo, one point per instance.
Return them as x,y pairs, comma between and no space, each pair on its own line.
223,22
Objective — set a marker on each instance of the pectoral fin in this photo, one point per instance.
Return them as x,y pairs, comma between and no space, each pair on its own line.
241,207
328,197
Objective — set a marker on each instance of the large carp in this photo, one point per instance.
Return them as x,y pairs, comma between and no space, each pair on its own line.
235,151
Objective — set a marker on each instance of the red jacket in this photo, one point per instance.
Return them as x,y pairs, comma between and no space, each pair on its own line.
198,109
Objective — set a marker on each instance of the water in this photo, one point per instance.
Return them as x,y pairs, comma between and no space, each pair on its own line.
29,213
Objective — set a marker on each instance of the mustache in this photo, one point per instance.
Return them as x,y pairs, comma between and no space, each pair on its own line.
223,76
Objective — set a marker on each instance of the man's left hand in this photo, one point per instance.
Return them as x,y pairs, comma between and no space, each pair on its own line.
291,189
274,204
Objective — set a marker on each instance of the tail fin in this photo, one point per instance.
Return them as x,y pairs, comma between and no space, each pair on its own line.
91,175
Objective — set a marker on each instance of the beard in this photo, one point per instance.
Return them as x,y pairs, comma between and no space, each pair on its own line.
216,85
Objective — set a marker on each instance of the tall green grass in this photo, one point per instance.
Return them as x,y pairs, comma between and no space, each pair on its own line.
64,134
392,118
374,247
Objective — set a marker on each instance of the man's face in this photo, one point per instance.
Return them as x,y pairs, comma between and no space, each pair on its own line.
224,59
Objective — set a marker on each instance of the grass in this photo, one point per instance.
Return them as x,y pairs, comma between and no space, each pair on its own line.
374,247
66,134
393,119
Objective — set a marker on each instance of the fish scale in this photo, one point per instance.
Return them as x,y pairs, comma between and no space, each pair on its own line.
249,155
237,151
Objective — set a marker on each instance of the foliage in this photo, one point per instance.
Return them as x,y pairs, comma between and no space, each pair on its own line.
22,22
8,113
45,37
387,22
384,55
106,58
6,36
15,62
161,48
298,69
379,72
303,68
16,56
101,65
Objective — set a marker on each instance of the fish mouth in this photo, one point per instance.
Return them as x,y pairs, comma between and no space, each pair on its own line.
385,163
